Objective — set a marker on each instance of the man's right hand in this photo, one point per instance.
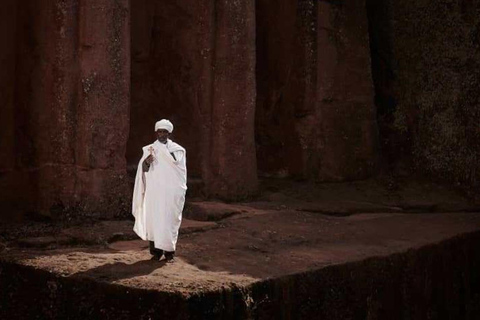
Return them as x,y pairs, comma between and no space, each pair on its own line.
146,163
149,159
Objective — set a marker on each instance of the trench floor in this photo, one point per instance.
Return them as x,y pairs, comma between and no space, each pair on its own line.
223,245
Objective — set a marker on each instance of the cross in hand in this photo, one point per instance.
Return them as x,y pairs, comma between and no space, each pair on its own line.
152,151
150,158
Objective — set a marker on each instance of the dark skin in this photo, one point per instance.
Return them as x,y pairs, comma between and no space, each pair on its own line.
162,136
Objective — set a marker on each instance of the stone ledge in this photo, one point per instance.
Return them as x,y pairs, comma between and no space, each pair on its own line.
438,280
376,266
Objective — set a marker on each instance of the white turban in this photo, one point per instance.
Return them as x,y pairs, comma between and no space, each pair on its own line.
164,124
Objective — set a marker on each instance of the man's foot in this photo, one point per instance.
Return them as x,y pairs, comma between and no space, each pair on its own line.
155,257
154,251
169,257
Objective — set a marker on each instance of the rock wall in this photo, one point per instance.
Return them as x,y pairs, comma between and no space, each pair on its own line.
104,103
74,117
315,115
426,57
287,85
193,62
167,38
8,181
69,110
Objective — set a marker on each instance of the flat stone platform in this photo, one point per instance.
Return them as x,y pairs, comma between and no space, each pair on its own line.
271,263
275,259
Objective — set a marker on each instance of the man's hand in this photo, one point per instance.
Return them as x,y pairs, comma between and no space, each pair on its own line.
146,163
149,159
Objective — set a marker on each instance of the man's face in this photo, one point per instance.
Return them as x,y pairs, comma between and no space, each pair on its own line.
162,135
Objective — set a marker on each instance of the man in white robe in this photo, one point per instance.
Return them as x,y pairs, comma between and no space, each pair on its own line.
159,192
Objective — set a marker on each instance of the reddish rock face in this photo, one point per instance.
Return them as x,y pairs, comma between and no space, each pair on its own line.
8,180
315,116
70,107
193,63
426,61
67,110
170,45
103,113
349,138
288,83
230,169
42,87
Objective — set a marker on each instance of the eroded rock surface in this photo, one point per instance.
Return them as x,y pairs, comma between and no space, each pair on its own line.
426,58
315,116
266,265
194,63
69,113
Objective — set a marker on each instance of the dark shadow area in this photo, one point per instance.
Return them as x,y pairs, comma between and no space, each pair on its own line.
120,270
21,145
165,70
425,62
392,148
279,88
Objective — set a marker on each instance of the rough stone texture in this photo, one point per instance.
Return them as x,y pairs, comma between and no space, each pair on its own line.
65,93
43,86
348,140
104,102
230,161
275,258
70,107
275,265
212,211
193,62
426,57
315,115
168,55
8,181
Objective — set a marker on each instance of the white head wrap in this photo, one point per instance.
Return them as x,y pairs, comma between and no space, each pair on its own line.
164,124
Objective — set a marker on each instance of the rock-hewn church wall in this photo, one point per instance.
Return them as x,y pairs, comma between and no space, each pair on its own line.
167,38
75,117
8,180
194,63
104,103
315,111
69,107
426,57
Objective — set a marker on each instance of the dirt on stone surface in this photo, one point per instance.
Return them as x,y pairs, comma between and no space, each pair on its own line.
291,228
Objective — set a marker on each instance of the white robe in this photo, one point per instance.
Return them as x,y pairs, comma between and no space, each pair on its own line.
159,195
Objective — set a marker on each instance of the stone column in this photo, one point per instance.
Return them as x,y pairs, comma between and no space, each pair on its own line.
348,141
229,169
8,21
102,125
8,29
45,102
315,113
286,82
71,105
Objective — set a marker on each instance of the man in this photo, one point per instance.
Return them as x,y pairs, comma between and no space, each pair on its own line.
159,192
